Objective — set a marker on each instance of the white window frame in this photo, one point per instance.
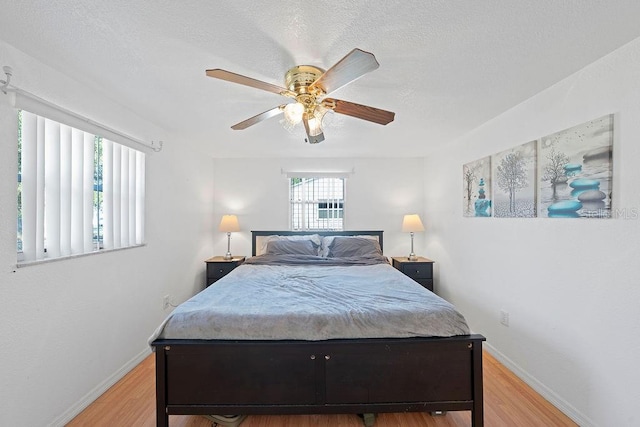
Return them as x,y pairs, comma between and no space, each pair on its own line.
51,231
302,204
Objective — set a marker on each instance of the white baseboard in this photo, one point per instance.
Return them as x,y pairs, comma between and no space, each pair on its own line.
81,405
564,406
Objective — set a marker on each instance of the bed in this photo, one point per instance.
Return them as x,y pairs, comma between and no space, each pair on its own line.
367,365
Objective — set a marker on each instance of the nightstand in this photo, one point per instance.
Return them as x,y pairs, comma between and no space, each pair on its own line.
420,270
218,267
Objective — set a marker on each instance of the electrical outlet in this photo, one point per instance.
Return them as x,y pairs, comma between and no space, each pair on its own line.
166,302
504,317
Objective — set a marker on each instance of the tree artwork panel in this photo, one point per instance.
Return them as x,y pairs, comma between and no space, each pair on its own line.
576,171
476,188
514,182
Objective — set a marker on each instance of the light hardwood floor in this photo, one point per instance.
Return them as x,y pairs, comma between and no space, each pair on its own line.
508,402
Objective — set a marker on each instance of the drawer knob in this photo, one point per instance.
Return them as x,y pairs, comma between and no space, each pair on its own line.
313,357
327,357
221,270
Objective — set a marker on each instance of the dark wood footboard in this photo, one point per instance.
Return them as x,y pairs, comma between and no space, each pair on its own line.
313,377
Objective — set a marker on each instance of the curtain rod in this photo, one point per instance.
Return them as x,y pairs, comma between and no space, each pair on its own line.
6,87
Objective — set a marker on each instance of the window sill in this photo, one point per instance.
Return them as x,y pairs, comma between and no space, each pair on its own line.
22,264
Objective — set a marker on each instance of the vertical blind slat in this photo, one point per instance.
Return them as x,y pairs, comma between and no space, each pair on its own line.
40,180
124,196
65,190
77,191
140,196
107,193
52,188
87,191
132,198
115,212
29,185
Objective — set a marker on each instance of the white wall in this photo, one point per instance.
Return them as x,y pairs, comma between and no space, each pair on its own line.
378,193
70,328
572,287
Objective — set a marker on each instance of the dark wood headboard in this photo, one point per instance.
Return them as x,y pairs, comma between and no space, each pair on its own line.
255,234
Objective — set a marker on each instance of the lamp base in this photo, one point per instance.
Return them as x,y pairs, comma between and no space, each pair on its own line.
412,257
228,256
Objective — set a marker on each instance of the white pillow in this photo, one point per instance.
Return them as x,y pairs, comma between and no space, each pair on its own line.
261,246
327,240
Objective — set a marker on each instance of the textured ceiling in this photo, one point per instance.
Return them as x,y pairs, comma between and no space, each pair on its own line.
446,67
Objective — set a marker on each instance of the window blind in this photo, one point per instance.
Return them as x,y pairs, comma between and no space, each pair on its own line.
79,192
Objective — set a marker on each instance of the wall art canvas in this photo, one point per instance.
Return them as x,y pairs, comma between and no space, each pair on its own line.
476,188
576,171
514,182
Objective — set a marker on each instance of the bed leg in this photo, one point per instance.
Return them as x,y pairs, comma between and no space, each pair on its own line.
368,419
477,413
162,418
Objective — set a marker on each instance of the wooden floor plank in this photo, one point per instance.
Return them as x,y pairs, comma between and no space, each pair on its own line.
508,402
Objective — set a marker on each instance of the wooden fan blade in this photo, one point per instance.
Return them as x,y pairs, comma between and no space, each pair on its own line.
258,118
359,111
356,64
248,81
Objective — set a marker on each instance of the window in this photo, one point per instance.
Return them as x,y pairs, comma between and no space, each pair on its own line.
328,209
317,203
77,192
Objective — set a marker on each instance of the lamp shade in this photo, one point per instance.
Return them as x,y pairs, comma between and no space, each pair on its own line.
412,223
229,223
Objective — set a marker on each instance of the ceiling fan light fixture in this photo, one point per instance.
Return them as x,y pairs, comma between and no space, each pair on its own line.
299,78
308,86
320,111
316,121
293,113
315,126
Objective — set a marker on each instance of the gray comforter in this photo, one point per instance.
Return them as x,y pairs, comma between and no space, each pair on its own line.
301,301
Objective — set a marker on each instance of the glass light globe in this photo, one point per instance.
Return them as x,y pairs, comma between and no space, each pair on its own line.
293,113
315,127
315,122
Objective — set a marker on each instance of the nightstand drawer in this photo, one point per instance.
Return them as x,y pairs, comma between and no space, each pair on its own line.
218,270
418,270
218,267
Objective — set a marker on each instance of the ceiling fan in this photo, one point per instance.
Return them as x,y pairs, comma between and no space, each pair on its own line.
309,86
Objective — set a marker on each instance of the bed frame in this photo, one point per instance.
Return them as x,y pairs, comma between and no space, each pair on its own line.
360,376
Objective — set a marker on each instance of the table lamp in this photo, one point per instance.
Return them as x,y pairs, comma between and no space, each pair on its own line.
410,224
229,223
